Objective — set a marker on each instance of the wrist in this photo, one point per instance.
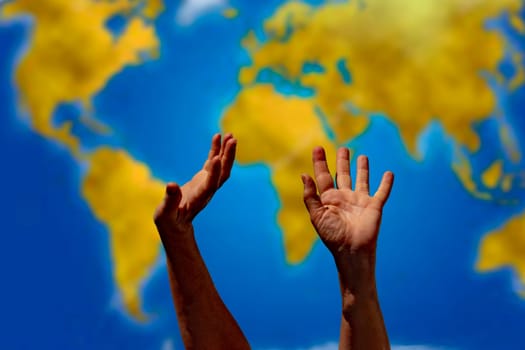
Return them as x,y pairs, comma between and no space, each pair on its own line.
361,261
176,235
356,272
357,283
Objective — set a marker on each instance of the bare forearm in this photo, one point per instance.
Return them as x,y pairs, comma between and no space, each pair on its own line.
362,325
204,320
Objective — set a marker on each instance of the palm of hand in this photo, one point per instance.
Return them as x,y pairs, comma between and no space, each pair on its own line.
195,194
345,219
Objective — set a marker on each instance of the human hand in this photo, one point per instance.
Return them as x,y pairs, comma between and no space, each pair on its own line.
182,204
346,220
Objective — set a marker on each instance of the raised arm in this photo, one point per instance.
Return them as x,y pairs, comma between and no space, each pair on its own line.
347,222
204,320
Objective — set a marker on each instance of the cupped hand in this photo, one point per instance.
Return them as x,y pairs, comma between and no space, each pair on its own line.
346,219
182,204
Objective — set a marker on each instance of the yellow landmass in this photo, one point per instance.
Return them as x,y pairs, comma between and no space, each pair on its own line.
509,143
122,194
463,170
413,61
152,8
72,55
250,43
70,58
519,77
280,132
506,183
492,176
230,13
504,247
517,23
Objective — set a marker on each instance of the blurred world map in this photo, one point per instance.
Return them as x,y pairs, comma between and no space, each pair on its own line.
103,102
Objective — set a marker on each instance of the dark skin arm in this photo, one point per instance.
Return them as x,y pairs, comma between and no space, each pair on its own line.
348,222
204,320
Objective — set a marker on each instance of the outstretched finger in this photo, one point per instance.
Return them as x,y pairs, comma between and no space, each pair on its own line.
322,174
215,147
342,176
362,184
227,137
385,187
212,179
227,160
310,197
215,151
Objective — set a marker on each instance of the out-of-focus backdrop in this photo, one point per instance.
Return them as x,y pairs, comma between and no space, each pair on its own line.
103,102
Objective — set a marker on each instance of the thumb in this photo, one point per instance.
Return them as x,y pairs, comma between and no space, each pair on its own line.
173,196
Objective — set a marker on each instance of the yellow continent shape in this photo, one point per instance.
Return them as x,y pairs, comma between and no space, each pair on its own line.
123,195
230,13
492,176
505,247
71,57
282,140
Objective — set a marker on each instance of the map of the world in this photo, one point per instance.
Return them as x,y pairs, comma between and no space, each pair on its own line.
102,102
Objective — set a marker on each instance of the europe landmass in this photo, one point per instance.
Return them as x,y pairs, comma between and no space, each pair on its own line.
414,62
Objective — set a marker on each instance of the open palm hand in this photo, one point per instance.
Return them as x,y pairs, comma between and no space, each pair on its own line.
345,219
